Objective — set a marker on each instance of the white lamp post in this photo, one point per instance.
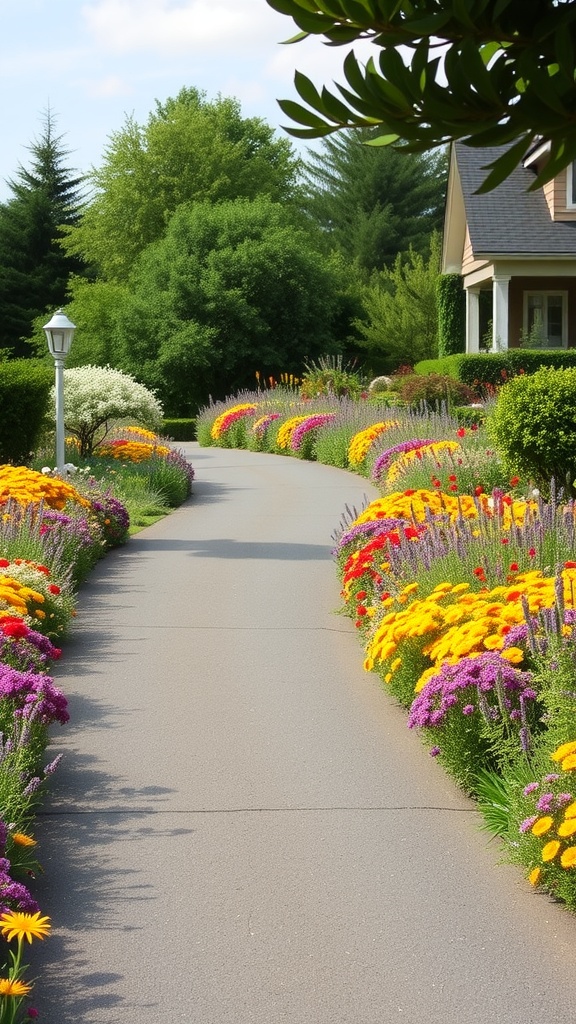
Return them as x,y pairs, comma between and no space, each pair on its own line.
59,333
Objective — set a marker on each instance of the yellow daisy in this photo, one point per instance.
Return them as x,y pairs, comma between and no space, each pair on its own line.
15,925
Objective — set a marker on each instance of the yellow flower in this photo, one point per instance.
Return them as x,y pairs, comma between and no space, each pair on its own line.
542,825
567,828
14,987
569,763
570,811
21,839
550,850
535,876
563,750
15,925
568,858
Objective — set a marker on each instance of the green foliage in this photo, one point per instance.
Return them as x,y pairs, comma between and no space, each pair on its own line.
34,270
533,424
179,429
373,203
24,398
451,314
231,287
506,74
191,150
400,311
432,390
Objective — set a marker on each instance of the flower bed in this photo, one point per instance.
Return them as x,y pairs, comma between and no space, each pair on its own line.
461,582
51,534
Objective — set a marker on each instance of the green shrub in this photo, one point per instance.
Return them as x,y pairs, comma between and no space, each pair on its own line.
533,424
433,389
329,376
24,398
179,430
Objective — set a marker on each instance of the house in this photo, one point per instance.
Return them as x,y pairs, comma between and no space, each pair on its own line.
515,250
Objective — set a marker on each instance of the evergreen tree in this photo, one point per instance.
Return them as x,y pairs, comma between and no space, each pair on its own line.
374,202
34,270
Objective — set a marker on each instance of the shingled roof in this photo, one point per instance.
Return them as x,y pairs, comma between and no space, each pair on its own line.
510,220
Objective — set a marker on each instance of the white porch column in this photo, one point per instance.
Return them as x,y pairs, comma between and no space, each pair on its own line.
500,312
472,319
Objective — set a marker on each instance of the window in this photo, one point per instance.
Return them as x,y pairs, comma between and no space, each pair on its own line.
571,186
546,319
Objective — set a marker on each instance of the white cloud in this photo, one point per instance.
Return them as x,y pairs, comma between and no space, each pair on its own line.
179,26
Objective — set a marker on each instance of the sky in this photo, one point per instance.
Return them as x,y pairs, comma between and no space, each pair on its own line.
96,62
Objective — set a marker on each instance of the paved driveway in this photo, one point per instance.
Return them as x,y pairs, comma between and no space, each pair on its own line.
243,829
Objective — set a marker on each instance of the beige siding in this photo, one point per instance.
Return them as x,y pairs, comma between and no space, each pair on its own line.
469,263
559,210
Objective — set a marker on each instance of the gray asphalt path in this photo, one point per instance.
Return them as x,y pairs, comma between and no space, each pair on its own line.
243,829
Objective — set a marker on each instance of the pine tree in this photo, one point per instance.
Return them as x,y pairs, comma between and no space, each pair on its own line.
34,270
374,202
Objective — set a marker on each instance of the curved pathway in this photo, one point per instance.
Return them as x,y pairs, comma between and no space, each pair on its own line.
243,829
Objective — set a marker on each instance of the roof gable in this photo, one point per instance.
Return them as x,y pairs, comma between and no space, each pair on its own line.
509,220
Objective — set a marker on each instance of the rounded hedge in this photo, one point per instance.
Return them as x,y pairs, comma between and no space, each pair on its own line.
533,425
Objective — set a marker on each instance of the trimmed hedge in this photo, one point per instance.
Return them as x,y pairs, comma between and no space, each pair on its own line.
179,430
496,367
24,396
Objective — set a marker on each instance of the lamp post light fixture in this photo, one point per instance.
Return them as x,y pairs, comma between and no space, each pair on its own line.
59,333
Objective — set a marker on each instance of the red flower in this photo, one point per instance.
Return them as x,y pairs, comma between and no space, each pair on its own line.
385,596
453,487
474,426
479,572
452,477
42,568
360,595
514,566
570,565
53,588
505,540
4,563
12,626
478,491
531,552
361,610
514,480
461,432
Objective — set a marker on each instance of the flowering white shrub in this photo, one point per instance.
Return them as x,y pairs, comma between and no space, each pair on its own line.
95,396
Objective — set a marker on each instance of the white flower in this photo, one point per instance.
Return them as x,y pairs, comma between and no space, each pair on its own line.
46,470
69,467
535,493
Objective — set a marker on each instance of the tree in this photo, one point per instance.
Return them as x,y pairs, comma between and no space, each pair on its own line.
96,395
488,72
401,316
190,150
374,203
231,288
34,270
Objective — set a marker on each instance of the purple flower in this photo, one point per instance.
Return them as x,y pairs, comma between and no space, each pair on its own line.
383,461
468,709
551,778
312,423
545,802
531,788
526,825
434,751
481,678
563,798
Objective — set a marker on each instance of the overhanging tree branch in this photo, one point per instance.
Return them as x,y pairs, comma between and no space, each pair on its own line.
485,72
